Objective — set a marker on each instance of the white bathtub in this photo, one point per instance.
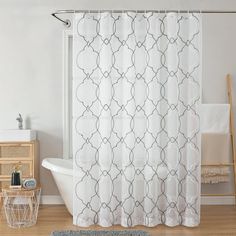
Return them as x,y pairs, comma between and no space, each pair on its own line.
62,171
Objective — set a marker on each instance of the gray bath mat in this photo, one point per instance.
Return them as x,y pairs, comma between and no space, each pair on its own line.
100,233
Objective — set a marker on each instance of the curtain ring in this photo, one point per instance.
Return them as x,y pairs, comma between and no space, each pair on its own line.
190,13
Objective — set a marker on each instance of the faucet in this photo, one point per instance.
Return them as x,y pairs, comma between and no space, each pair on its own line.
20,121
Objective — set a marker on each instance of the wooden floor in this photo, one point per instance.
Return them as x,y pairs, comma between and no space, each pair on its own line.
215,220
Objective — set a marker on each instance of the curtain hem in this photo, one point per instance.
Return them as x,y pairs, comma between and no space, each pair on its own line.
188,222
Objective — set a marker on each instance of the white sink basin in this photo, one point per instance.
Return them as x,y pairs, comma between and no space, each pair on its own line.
15,135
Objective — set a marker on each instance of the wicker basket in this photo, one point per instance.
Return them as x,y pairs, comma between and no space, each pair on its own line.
21,206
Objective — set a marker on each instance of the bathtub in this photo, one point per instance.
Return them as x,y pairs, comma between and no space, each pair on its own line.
62,171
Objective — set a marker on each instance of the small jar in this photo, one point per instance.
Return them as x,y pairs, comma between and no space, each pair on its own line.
16,176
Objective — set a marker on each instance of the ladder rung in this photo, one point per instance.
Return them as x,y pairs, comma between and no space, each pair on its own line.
217,194
223,164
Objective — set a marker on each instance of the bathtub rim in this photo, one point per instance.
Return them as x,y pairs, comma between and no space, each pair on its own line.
58,165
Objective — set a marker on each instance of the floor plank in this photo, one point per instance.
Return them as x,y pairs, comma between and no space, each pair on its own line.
215,220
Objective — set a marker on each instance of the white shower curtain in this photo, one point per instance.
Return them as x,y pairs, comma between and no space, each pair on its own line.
136,142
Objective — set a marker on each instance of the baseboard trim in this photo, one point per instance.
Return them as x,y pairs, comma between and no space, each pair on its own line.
224,200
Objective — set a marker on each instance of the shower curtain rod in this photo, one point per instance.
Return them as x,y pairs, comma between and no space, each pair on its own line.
68,23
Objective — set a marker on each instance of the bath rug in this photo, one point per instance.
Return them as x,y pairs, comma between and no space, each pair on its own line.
100,233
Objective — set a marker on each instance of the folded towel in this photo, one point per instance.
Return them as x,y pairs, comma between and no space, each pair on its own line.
215,118
215,179
213,175
213,171
215,150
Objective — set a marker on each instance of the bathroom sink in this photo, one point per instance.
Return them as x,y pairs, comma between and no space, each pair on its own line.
15,135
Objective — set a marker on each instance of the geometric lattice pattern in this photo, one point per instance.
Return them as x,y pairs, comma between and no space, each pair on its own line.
136,140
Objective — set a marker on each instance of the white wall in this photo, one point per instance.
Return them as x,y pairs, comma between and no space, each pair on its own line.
31,61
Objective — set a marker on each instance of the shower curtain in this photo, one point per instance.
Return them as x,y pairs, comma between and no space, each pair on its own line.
136,140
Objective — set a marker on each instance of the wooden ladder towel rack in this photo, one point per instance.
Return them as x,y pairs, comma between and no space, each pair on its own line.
232,135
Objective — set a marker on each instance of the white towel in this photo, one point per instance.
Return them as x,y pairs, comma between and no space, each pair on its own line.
215,118
215,150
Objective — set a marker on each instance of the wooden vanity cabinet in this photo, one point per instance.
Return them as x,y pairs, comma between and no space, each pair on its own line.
23,153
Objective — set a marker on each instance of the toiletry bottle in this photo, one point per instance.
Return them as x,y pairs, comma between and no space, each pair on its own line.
16,176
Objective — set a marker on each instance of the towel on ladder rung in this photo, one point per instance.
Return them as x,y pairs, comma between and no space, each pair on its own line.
215,151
